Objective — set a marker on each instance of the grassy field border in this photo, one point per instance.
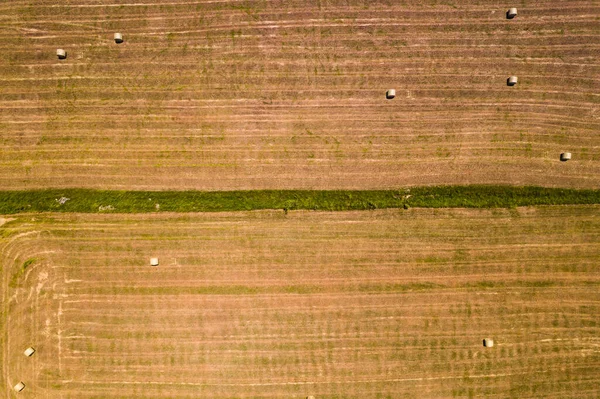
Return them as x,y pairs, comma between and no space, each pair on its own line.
473,196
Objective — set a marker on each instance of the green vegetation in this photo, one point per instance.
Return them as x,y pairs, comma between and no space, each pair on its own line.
373,288
476,196
14,280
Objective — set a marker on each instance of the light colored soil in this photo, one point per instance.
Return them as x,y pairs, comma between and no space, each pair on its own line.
216,95
371,304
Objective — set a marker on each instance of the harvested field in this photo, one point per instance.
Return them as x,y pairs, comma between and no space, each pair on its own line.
372,304
222,95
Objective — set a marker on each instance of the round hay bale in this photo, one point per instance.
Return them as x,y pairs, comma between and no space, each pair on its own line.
19,387
512,81
153,261
488,342
511,13
29,351
391,93
118,38
61,54
565,156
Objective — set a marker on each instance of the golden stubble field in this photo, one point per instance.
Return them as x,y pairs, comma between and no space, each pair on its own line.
373,304
216,95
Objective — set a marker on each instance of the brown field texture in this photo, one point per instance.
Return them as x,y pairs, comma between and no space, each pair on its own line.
219,95
370,304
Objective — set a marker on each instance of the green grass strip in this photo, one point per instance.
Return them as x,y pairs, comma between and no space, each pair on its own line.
475,196
349,287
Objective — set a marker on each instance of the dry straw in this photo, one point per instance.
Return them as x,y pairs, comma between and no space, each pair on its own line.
565,156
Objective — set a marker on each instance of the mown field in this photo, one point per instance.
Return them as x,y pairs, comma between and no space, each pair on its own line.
369,304
230,95
276,97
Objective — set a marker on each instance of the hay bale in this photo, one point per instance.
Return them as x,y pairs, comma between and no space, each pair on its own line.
391,93
488,342
19,387
118,38
153,261
61,54
511,13
29,351
565,156
512,81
